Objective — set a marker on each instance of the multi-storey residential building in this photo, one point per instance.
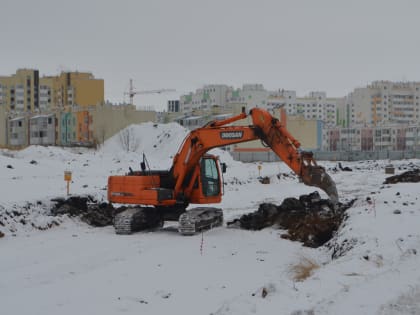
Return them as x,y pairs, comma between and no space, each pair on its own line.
20,92
173,106
3,127
78,89
372,138
253,95
383,102
282,99
315,106
204,98
318,107
25,91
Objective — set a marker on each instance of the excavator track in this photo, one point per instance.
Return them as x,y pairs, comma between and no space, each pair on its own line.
136,219
199,219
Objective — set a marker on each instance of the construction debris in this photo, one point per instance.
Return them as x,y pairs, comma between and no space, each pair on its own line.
309,219
412,176
345,169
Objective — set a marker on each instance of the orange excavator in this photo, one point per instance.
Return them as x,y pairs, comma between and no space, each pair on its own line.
196,177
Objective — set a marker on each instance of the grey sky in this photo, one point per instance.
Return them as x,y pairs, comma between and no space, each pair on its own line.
303,45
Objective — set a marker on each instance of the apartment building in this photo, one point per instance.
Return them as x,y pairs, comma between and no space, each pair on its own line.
78,89
173,106
204,98
372,138
20,92
314,106
251,95
383,102
26,91
3,127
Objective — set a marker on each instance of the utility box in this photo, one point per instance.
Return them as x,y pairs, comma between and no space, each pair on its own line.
389,169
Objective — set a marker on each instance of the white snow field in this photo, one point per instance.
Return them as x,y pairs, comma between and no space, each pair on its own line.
73,268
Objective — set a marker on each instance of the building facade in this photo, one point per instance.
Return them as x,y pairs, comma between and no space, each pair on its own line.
108,119
314,106
392,137
26,91
18,133
382,102
20,92
42,130
204,98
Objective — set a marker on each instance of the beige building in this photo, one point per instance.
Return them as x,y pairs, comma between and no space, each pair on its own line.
3,127
109,119
307,131
20,92
26,91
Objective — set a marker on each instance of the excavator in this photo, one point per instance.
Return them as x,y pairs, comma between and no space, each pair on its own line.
195,177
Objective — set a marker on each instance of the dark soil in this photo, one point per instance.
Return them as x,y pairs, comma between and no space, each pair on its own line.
87,208
412,176
309,219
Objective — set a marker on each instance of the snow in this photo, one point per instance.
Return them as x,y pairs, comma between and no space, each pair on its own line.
73,268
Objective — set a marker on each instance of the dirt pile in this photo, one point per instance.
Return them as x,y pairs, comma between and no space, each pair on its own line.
87,208
25,217
412,176
309,219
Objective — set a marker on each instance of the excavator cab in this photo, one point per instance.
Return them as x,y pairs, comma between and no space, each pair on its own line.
210,177
208,182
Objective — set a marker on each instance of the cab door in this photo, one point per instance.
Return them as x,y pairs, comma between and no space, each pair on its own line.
210,178
207,182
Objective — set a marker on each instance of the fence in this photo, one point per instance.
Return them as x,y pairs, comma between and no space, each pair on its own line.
331,155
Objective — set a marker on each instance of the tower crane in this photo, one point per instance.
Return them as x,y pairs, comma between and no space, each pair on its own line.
131,92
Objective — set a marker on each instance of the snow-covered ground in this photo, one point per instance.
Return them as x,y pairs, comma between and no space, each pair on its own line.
73,268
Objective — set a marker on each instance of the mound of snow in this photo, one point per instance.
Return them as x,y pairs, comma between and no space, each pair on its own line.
159,142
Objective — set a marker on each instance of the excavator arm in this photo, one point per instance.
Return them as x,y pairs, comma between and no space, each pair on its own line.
266,128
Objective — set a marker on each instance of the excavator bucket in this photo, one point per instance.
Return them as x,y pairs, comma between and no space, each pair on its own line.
318,177
315,175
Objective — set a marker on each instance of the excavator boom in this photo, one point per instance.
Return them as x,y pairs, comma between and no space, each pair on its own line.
264,127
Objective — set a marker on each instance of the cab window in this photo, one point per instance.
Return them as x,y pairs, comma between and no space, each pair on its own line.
210,178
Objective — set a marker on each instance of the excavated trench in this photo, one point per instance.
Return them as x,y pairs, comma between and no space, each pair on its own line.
412,176
309,219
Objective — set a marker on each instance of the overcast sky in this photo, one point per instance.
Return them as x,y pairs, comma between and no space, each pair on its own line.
302,45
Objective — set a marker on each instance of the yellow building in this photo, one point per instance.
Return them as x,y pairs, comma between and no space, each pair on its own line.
20,92
25,91
77,88
3,127
307,132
